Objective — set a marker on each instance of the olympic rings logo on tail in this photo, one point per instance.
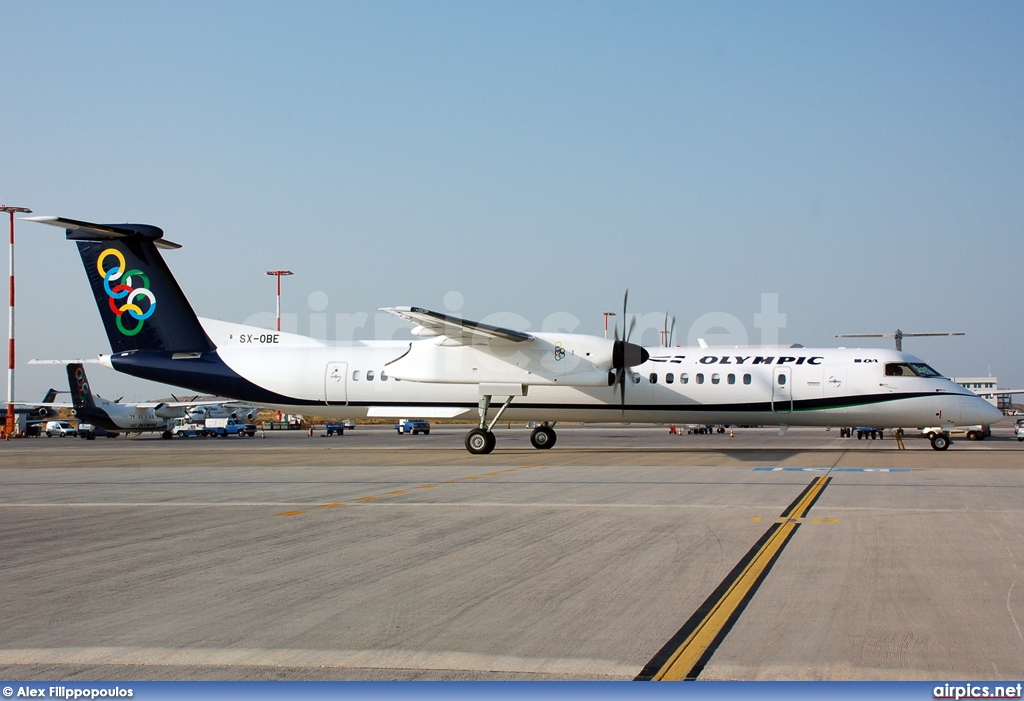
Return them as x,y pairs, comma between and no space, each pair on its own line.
125,298
83,386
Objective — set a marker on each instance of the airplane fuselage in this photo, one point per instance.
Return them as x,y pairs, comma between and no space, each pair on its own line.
763,386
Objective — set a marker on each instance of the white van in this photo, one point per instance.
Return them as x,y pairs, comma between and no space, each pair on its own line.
59,428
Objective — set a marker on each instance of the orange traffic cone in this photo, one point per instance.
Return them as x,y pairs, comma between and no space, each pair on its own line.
732,433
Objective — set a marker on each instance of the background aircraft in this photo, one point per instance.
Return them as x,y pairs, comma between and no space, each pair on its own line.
34,413
146,416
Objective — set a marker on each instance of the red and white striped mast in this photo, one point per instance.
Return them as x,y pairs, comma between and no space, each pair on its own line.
9,428
279,273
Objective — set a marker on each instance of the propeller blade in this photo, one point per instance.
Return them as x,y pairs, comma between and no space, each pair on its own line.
632,325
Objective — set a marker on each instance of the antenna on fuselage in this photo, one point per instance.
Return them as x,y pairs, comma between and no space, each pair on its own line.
899,336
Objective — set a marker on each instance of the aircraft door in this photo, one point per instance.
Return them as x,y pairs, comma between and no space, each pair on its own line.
334,383
782,390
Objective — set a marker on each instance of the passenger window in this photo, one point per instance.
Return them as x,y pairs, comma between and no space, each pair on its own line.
746,378
700,378
355,374
732,379
669,378
369,375
715,378
654,378
684,378
383,376
636,378
782,380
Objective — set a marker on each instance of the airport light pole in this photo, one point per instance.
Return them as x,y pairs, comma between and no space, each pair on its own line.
606,315
9,427
278,274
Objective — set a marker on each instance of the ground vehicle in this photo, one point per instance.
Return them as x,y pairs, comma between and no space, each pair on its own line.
335,428
348,423
229,427
868,432
1018,429
413,426
90,432
972,433
59,428
187,427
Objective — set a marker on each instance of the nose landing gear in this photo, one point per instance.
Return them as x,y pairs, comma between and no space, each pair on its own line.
940,441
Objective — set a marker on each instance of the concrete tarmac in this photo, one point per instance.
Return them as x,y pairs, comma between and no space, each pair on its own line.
378,556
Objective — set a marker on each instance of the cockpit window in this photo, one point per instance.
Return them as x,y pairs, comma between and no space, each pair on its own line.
909,370
924,370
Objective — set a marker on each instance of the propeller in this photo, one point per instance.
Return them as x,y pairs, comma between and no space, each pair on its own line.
670,329
625,354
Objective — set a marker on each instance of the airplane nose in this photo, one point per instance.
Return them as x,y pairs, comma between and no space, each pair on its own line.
981,411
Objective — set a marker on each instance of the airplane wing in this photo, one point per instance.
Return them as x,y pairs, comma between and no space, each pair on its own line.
994,392
205,402
21,407
437,324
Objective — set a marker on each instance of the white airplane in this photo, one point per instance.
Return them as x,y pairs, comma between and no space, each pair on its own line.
456,368
144,416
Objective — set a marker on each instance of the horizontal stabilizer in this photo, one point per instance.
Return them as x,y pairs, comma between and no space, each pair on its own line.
87,231
38,361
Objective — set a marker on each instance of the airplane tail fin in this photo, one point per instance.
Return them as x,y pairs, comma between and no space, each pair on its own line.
81,394
50,396
140,302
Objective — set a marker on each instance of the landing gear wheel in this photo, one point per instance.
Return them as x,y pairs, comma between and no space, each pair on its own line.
543,437
940,441
166,435
480,441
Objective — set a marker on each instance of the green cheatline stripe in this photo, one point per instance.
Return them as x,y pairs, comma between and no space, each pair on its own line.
684,656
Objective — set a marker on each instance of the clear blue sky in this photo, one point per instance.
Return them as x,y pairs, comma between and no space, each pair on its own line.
864,161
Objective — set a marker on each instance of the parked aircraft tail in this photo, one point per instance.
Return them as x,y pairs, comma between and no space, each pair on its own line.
78,383
140,302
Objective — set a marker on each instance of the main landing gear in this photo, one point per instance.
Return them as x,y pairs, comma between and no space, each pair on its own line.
481,440
543,437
